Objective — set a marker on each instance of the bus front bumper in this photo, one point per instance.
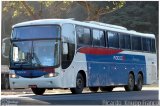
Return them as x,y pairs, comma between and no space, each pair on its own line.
40,82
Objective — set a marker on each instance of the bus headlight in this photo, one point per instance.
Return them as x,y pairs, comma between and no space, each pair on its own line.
13,76
51,75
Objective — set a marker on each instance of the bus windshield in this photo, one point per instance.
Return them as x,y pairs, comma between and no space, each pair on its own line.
37,53
36,32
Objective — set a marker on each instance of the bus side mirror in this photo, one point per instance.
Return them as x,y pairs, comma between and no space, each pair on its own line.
65,48
4,47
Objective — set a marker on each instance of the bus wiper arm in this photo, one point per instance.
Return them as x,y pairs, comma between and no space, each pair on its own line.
21,64
37,59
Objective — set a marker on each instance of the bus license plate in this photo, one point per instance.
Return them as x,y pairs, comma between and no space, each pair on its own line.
32,86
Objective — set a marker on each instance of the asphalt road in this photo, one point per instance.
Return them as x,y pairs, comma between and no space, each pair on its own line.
146,97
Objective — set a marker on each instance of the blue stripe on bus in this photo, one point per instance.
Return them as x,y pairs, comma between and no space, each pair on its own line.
105,70
30,73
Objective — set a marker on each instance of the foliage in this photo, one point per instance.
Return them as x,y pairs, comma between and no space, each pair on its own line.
17,8
96,9
139,16
33,9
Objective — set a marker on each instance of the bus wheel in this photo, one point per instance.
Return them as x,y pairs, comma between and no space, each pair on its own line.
38,91
93,89
130,86
106,89
138,86
79,85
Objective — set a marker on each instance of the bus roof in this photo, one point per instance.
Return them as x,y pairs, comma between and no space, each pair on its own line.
92,24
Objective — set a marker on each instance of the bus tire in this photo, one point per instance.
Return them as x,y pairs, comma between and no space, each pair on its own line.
38,91
79,84
138,86
93,89
131,83
106,89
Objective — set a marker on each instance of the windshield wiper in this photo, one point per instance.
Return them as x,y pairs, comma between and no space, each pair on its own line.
37,59
21,64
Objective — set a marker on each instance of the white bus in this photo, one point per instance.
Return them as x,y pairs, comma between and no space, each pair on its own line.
64,53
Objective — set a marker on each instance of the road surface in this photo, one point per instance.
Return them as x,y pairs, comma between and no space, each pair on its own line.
145,97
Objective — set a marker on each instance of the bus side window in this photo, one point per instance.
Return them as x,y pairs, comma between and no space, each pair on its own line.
113,39
124,40
121,41
146,44
153,47
98,38
127,42
136,43
83,36
106,38
102,38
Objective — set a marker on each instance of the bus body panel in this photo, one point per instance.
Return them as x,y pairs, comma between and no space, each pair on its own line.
97,73
40,82
151,65
66,77
70,74
112,68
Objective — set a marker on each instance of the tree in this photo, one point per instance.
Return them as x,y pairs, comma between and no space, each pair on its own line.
18,8
140,16
34,9
29,10
95,10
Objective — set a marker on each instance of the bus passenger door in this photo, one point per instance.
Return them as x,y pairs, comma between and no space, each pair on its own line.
68,42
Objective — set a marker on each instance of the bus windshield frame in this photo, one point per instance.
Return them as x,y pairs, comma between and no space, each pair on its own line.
35,32
33,57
